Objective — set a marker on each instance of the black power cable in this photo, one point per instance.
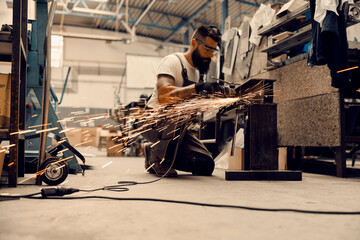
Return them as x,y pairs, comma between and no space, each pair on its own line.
32,196
57,193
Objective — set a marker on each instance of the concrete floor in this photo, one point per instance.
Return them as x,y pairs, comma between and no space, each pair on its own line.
89,219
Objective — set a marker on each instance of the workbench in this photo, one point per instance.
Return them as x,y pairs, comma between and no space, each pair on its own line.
310,112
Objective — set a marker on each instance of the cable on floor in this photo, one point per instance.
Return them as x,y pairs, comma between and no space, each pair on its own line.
58,192
32,196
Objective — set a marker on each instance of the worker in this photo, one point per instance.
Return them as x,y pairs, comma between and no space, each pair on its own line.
179,77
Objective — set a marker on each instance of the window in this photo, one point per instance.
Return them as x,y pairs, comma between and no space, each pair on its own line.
57,44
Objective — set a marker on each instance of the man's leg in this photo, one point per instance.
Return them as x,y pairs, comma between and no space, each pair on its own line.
192,156
155,151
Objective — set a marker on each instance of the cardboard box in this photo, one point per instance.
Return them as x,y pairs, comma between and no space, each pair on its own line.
103,134
113,148
2,158
89,137
282,158
236,162
5,93
74,136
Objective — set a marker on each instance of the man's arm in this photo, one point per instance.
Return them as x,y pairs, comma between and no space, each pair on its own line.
169,93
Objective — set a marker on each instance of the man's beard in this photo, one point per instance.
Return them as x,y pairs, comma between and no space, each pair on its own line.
202,64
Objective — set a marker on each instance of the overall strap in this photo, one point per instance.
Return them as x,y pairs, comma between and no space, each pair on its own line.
187,82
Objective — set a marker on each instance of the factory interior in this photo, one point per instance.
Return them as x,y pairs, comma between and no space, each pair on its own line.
179,119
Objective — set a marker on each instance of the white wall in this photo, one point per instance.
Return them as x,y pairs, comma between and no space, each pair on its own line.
353,32
98,67
141,70
6,13
6,18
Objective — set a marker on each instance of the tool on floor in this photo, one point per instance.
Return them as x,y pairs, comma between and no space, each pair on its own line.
54,170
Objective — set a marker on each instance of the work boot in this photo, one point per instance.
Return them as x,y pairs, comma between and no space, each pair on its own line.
158,167
162,168
147,153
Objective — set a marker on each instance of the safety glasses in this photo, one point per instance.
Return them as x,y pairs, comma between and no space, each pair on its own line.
207,48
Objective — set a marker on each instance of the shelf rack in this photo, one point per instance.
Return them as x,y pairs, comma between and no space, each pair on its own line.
13,47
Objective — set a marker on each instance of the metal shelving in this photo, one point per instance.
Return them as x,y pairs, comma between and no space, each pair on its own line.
14,48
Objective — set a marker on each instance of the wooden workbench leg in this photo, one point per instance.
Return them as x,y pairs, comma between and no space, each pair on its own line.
340,157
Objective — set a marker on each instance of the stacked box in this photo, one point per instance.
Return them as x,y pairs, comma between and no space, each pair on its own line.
236,162
113,147
2,158
5,92
74,137
89,137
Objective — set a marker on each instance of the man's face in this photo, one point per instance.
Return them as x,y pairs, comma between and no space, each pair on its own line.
203,53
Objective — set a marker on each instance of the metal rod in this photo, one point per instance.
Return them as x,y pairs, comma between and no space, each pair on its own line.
51,18
44,116
114,38
144,13
217,127
46,88
235,130
119,5
127,11
23,84
220,80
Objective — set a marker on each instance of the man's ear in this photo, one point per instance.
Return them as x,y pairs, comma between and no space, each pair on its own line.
193,43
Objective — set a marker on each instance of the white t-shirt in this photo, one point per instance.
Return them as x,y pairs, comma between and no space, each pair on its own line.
171,65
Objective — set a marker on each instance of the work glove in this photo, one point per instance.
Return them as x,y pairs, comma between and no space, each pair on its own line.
209,87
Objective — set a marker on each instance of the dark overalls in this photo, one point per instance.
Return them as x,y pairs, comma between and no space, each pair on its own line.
192,156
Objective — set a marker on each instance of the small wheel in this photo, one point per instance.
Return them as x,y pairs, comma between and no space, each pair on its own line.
55,172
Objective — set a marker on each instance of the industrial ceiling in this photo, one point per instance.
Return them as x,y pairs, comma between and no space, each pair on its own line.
164,20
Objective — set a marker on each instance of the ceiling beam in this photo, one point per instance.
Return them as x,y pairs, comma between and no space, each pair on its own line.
254,4
77,2
142,15
105,11
131,21
224,14
183,23
112,38
117,16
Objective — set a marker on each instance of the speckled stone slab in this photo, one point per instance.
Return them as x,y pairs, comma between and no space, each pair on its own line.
308,107
312,121
298,80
